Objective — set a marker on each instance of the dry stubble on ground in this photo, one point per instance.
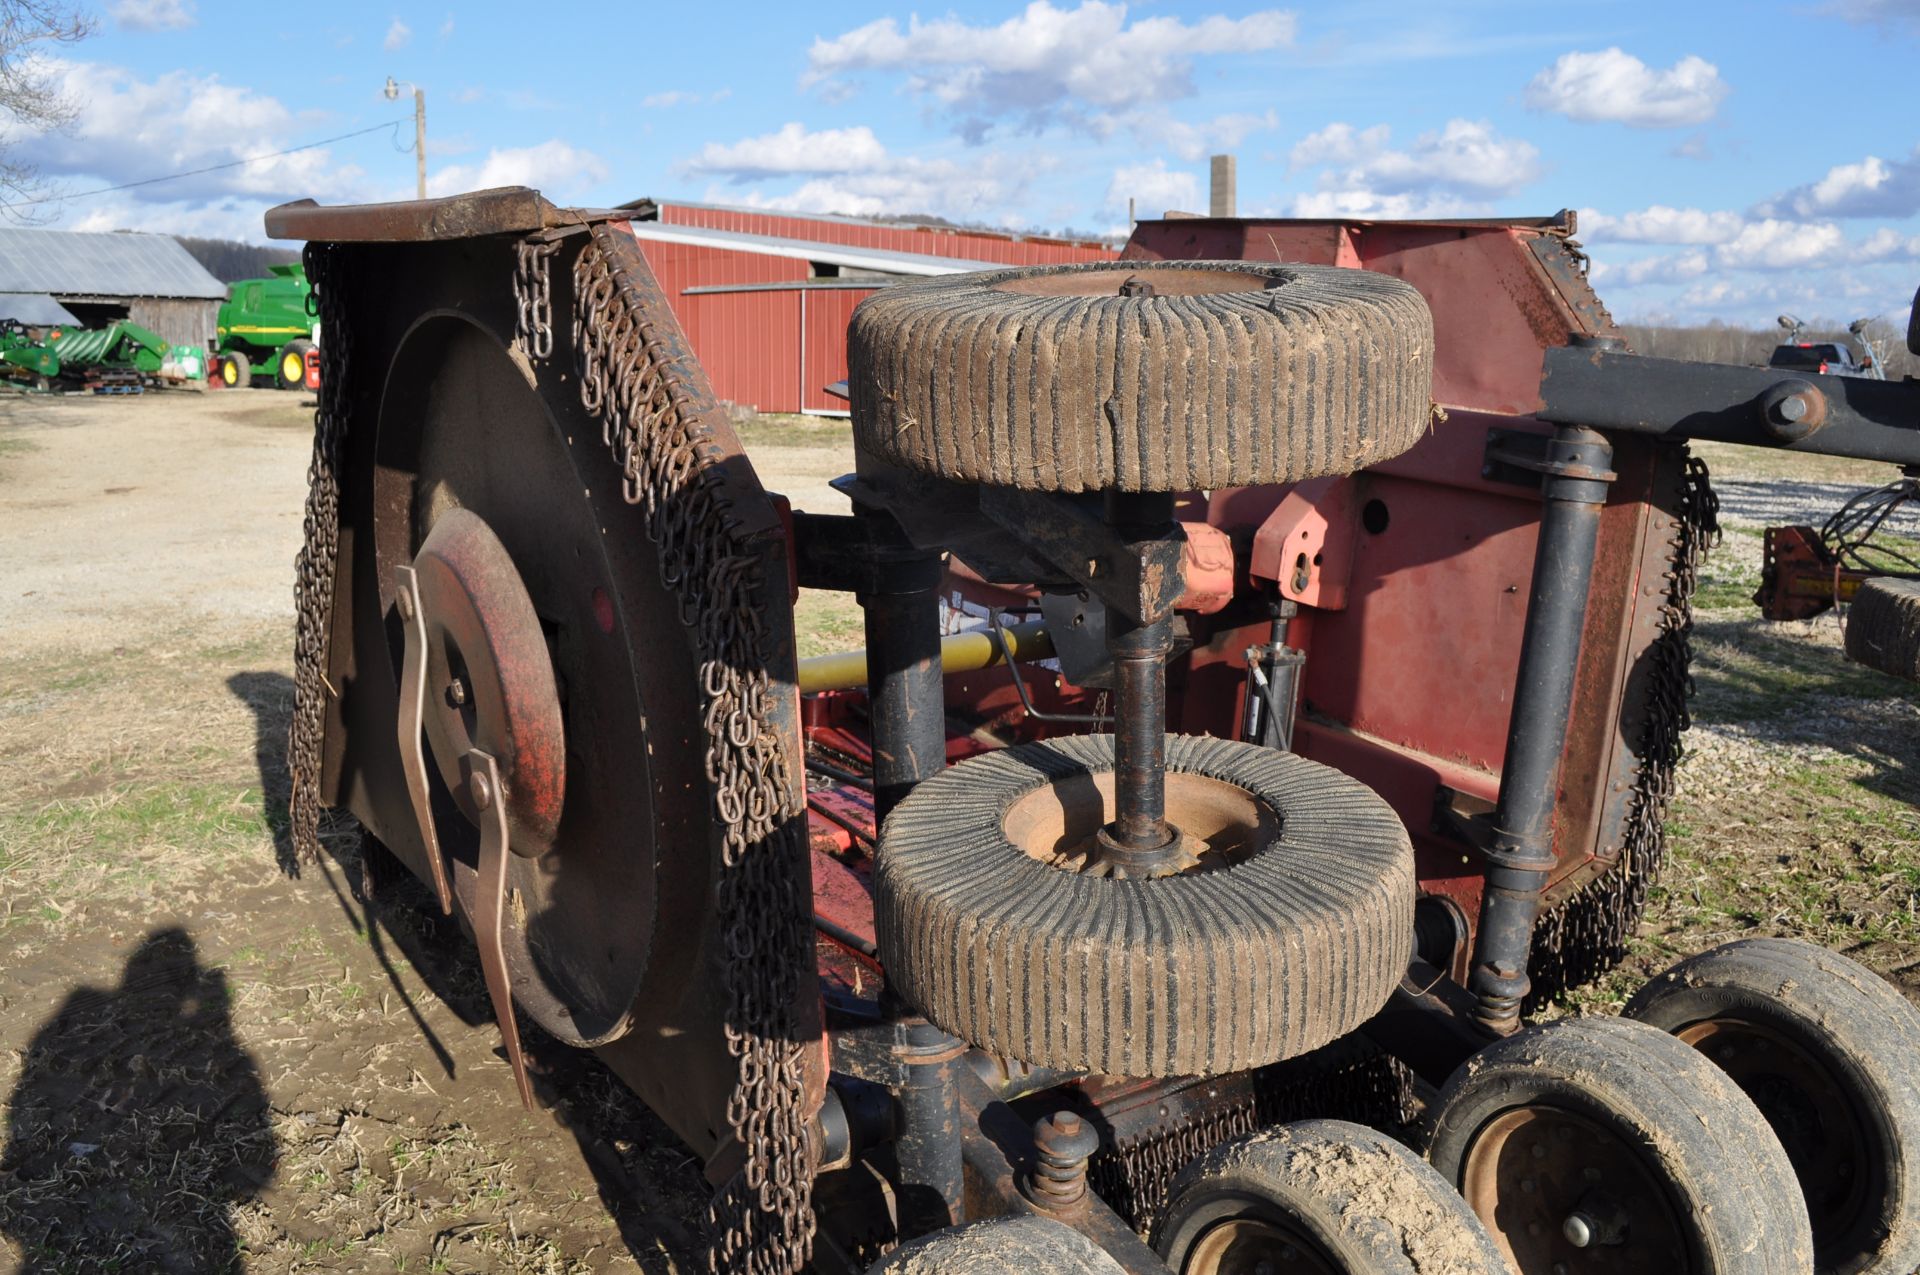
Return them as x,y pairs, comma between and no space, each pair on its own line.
209,1064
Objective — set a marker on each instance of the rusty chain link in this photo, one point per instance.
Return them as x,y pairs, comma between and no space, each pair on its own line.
533,296
762,1219
1587,933
319,553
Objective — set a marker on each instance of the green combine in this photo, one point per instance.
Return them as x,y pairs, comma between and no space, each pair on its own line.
264,323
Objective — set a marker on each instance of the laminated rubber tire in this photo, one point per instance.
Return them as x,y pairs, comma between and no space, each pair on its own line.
1201,973
1231,374
1615,1119
1883,627
1367,1204
1022,1245
1829,1051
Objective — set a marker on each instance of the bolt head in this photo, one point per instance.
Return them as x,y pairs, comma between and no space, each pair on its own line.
1066,1122
457,691
480,790
1792,408
1578,1229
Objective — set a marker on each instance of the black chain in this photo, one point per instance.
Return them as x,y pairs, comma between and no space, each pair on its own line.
319,553
1587,933
762,1219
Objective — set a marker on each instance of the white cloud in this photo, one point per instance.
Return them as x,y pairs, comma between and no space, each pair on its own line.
1888,243
552,167
982,191
1465,157
1783,245
1872,187
1617,87
1154,189
1662,225
1192,142
446,27
129,129
792,150
1338,144
1883,13
1359,202
681,97
1668,268
397,36
153,15
1045,58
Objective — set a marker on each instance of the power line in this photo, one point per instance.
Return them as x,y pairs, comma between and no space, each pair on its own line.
212,168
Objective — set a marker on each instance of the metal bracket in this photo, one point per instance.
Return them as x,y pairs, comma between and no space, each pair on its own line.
1463,817
413,707
490,905
1523,459
1141,579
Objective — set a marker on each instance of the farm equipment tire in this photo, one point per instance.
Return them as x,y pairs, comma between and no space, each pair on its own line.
985,929
290,365
1000,1246
1883,627
1142,376
1602,1144
235,372
1826,1050
1320,1196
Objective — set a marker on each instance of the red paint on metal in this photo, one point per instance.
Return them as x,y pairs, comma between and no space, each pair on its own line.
842,896
1306,544
1208,570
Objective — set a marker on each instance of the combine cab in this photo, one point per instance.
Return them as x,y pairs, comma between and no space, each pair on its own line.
1276,663
266,327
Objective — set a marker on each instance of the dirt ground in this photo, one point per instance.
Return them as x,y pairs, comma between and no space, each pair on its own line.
212,1064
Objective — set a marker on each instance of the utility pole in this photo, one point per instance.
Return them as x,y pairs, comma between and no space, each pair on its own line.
419,131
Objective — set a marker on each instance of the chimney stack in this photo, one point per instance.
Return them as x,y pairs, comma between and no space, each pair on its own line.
1222,188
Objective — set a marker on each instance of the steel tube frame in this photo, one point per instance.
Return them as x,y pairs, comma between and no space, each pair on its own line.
907,702
1520,854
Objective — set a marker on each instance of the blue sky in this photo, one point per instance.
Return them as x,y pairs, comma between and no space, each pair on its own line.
1730,160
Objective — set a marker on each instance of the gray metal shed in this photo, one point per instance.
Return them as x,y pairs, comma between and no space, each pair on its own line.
149,279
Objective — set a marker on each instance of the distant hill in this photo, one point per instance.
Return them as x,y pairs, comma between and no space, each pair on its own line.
229,259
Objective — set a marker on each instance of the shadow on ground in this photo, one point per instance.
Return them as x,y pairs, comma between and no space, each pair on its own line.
623,1144
138,1122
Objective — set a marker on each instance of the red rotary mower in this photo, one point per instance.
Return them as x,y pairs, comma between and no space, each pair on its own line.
1276,664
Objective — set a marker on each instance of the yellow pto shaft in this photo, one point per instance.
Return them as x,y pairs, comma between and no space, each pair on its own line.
959,653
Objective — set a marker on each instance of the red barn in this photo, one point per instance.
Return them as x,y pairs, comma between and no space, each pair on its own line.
765,296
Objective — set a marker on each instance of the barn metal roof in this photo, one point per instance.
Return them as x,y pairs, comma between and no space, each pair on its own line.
69,263
648,208
881,260
35,309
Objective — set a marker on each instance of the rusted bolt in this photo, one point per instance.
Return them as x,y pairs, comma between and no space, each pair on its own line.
1135,286
1062,1143
1792,409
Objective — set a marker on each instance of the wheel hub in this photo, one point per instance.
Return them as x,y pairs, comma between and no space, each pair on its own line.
1258,1246
490,681
1065,824
1824,1138
1563,1193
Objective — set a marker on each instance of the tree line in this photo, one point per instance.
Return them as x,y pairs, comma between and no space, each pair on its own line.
1725,343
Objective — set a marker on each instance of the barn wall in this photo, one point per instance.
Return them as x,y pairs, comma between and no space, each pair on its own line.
178,321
